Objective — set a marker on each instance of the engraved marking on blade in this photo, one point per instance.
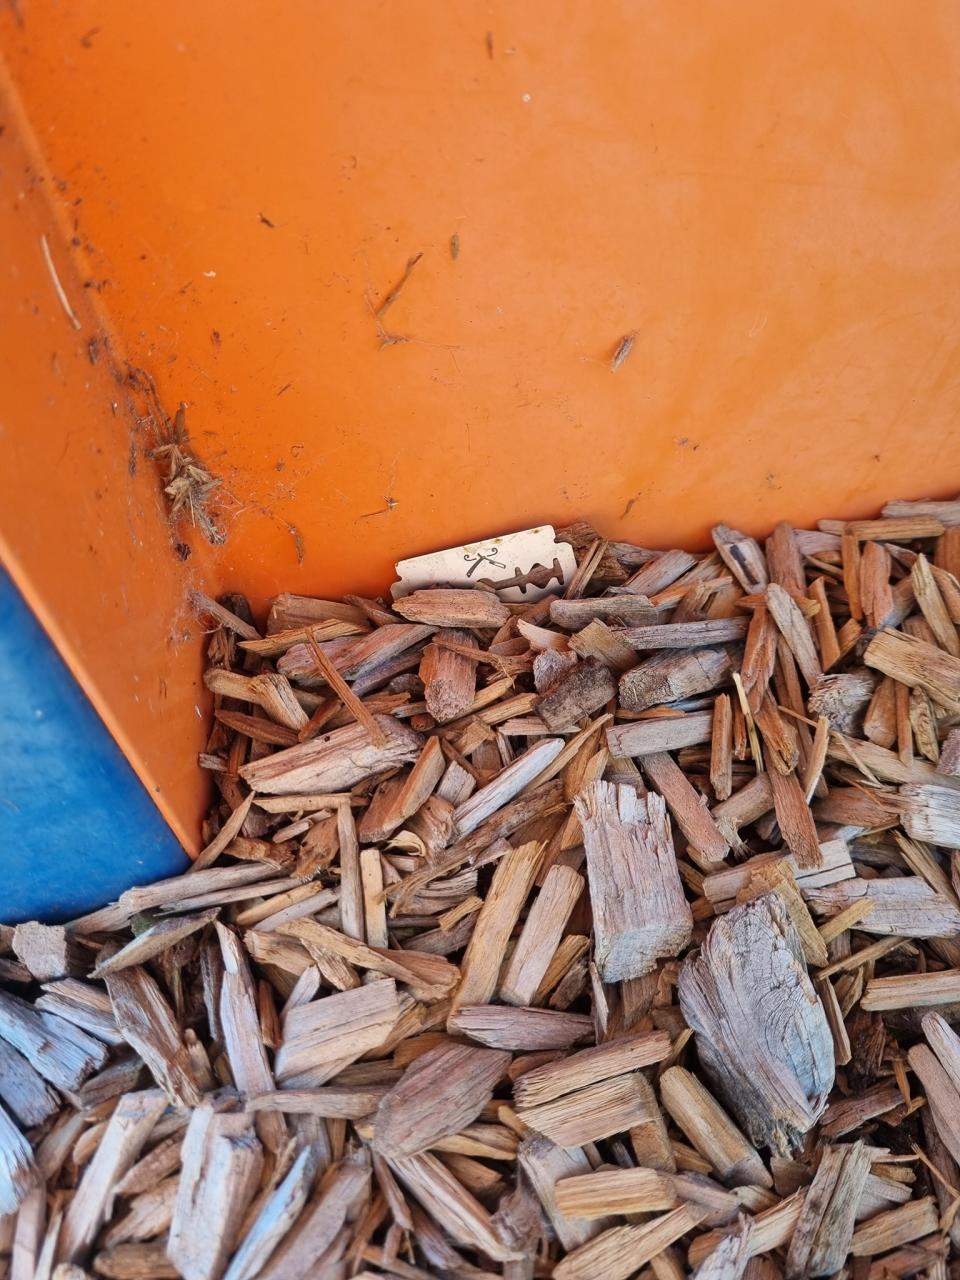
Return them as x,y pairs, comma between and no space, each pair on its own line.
538,562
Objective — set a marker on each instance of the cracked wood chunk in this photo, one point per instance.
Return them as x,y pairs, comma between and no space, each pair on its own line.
640,912
762,1033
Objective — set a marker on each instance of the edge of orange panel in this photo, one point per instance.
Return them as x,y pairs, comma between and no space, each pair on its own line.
92,525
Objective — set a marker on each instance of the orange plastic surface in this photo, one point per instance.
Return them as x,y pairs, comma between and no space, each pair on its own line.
768,196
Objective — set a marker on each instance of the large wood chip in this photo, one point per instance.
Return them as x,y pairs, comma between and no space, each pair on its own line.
673,677
149,1026
824,1231
918,664
220,1172
761,1031
333,762
640,913
130,1126
904,906
441,1093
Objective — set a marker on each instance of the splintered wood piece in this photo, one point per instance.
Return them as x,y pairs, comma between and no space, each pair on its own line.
48,951
640,912
742,556
850,547
333,1103
240,1023
893,528
508,783
876,597
759,654
271,691
546,1164
278,642
898,1226
152,942
880,720
373,652
351,885
931,813
149,1026
660,733
658,573
724,885
687,808
784,560
610,1191
877,764
700,1117
430,978
441,1093
446,607
130,1126
18,1171
277,1215
453,1207
622,610
222,1161
932,606
521,1029
594,1112
326,668
948,513
910,990
347,1024
511,884
775,1081
589,1066
540,935
949,763
335,761
685,635
824,625
584,689
374,906
825,1228
795,820
618,1253
449,678
23,1090
905,906
945,1043
771,1229
795,630
730,1259
943,1098
290,610
167,893
721,747
161,1160
673,676
924,725
597,640
406,797
843,698
60,1052
223,616
305,1250
917,664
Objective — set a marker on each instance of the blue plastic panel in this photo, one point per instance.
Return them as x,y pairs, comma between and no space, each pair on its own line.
76,825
